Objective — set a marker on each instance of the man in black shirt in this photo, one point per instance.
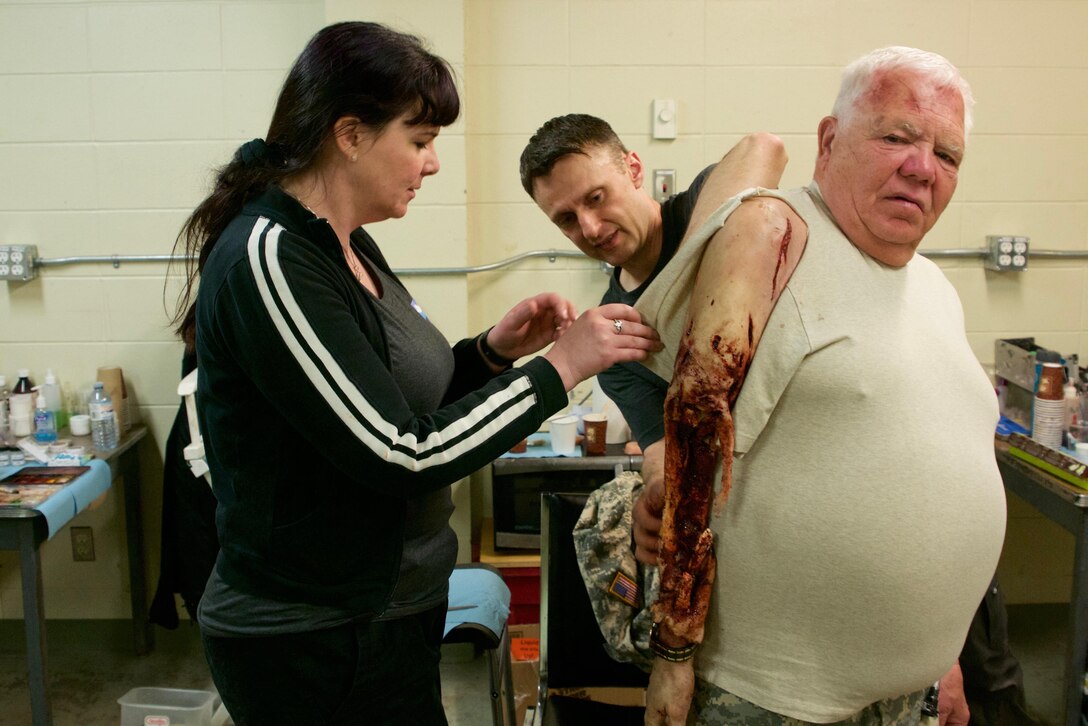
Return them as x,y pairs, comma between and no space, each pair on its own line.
592,187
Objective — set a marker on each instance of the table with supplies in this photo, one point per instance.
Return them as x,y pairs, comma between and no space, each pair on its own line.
1066,505
26,528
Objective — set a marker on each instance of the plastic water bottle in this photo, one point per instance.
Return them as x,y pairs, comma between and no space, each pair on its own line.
5,412
103,422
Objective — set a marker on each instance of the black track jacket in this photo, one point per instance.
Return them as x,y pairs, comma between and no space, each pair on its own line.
312,448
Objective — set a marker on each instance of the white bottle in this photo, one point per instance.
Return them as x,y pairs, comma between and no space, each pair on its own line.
21,405
103,422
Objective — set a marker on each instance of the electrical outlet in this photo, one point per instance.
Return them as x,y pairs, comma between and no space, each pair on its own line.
17,262
1007,253
664,184
82,544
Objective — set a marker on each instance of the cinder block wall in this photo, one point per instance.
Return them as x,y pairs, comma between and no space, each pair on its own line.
115,114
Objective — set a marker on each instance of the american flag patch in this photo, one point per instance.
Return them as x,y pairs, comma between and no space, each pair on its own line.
624,589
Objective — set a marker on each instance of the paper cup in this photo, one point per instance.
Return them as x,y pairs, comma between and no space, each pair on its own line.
596,428
1051,379
563,431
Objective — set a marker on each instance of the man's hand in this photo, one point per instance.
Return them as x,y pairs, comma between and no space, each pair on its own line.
668,697
952,706
646,515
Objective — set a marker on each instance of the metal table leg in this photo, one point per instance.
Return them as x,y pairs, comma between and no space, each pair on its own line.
1077,649
30,567
143,637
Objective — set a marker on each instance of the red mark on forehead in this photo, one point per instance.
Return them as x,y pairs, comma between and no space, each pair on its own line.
887,87
907,92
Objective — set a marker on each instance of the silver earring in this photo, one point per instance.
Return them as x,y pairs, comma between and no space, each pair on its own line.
354,158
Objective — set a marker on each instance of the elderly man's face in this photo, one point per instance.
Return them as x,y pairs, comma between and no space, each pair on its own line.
888,174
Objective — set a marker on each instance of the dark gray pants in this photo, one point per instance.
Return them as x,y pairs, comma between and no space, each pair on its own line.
368,673
992,679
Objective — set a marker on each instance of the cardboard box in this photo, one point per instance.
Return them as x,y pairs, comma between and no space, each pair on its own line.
525,667
616,696
525,672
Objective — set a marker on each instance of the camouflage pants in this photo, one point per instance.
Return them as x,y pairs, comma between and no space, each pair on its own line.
711,706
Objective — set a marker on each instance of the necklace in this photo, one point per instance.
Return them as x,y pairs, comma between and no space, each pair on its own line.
356,267
361,274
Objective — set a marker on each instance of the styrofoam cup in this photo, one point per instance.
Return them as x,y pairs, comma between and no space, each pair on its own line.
563,431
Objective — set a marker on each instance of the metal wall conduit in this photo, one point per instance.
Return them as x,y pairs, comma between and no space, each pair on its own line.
552,255
117,260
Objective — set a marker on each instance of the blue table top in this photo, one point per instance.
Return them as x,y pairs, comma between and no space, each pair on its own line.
74,497
540,447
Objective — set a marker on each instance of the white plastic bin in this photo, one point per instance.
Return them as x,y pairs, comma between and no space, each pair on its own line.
166,707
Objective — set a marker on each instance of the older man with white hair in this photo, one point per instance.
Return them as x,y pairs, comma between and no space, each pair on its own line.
867,512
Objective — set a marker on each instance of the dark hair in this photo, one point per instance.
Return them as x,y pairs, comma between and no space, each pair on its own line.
365,70
574,133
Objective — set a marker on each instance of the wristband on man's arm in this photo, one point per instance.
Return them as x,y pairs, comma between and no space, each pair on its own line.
489,353
665,652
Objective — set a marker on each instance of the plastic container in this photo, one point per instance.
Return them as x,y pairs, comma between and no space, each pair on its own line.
103,422
53,399
147,706
80,425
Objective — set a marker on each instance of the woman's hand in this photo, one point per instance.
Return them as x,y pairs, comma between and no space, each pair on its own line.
531,324
600,338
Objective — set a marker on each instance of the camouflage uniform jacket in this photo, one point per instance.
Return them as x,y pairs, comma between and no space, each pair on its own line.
620,588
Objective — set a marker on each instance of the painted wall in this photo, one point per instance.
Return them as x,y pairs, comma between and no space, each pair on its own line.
115,114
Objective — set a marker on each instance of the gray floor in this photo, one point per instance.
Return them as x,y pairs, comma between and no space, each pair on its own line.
90,667
1037,635
86,678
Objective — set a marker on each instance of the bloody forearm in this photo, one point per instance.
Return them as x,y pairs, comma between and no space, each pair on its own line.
743,272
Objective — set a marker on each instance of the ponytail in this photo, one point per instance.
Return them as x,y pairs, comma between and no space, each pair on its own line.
255,166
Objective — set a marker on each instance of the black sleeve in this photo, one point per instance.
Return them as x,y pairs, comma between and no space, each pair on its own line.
640,396
470,371
639,393
291,326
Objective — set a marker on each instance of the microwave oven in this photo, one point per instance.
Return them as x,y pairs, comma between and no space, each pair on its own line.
518,482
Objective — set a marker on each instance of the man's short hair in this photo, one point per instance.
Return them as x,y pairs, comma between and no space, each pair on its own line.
575,133
857,77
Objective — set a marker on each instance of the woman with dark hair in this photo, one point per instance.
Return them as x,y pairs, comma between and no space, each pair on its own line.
335,416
